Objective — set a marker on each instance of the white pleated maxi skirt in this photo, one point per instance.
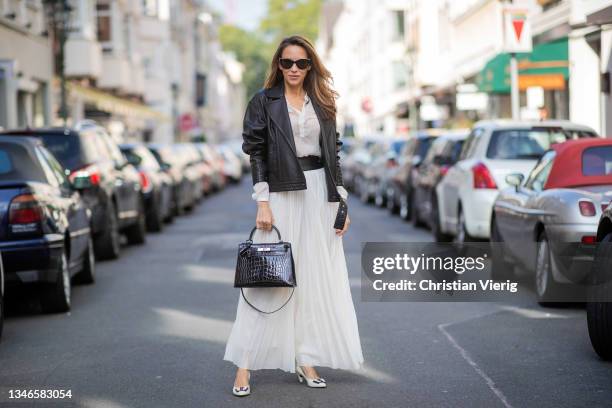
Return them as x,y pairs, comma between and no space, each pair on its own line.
318,326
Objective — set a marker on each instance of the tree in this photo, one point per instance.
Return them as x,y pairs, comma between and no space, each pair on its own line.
255,49
289,17
251,50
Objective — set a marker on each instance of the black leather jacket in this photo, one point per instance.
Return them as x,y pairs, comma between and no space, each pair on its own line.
268,140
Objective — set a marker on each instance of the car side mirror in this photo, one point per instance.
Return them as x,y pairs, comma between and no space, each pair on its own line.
515,179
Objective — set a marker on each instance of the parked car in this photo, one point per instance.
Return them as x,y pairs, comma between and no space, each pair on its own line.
232,167
45,234
493,150
109,185
156,184
380,154
384,169
400,194
182,192
216,162
558,205
1,296
354,163
190,161
443,153
599,312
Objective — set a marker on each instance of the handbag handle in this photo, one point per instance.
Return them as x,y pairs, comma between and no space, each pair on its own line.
255,227
259,310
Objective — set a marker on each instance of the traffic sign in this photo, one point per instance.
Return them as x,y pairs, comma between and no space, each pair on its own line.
517,29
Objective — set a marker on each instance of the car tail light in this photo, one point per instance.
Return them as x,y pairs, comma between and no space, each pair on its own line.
588,239
444,170
25,212
144,181
483,177
587,208
91,171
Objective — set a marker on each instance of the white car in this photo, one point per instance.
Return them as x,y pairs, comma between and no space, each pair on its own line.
493,150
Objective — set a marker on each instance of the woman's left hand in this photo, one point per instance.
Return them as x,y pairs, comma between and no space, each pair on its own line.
346,225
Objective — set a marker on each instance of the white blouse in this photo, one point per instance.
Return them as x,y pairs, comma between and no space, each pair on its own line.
306,133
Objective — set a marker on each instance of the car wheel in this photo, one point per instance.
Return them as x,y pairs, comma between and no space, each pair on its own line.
55,297
108,245
155,219
391,204
364,192
415,218
1,314
436,226
137,232
599,314
500,268
544,282
404,207
88,273
461,235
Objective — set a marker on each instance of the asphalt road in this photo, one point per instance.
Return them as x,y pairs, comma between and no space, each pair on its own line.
151,333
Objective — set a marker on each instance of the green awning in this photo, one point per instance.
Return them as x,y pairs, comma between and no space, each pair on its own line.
547,61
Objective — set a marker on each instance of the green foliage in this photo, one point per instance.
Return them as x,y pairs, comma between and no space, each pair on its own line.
250,50
255,49
289,17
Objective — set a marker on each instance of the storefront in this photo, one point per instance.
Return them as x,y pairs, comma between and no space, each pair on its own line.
543,81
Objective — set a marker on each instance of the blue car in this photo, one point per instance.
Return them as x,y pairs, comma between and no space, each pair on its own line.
44,225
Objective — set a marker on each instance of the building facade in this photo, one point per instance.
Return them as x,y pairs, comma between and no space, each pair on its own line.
25,82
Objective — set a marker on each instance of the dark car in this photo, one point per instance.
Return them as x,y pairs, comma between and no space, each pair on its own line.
156,184
108,184
172,164
444,152
599,313
401,188
44,224
1,296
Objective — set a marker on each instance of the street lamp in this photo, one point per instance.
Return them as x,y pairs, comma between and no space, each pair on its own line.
59,13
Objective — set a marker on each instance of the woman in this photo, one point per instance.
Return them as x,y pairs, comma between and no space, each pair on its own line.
290,135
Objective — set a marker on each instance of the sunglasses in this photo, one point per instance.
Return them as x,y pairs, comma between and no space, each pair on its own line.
287,63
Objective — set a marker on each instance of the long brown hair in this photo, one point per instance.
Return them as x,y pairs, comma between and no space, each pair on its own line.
318,81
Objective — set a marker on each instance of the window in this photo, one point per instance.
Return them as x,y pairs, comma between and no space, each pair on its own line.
58,171
470,144
17,164
539,175
398,25
104,22
597,161
150,8
50,176
400,74
527,144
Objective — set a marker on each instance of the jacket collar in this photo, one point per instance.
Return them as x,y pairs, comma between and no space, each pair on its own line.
279,113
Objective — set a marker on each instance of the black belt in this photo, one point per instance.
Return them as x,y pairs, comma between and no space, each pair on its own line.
310,162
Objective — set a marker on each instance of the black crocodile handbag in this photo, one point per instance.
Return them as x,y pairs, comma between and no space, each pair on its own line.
265,265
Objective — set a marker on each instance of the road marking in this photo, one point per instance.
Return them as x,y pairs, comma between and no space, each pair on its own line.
533,313
466,356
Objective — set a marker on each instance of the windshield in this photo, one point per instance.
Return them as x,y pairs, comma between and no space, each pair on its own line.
528,144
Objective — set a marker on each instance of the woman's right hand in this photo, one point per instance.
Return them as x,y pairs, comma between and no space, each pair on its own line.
265,219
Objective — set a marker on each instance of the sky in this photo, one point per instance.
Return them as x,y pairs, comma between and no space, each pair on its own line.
243,13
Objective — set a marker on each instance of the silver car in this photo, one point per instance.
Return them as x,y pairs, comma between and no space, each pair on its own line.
542,219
